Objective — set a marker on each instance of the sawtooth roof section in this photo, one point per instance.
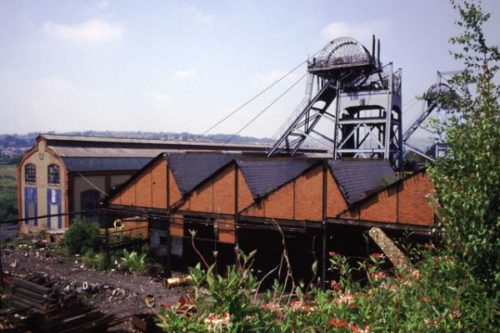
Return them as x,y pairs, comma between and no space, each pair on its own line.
81,164
267,175
190,170
360,178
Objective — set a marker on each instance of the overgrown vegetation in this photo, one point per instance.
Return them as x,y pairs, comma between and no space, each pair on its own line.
95,260
439,295
82,237
467,180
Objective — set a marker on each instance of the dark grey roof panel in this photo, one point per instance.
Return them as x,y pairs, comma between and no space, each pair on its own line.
190,170
359,178
267,175
82,164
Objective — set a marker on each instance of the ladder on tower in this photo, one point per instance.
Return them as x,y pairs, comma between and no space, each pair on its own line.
304,119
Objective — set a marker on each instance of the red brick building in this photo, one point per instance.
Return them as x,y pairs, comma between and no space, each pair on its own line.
239,198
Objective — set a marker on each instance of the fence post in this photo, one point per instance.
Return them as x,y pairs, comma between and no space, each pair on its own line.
106,240
324,255
324,228
1,268
167,269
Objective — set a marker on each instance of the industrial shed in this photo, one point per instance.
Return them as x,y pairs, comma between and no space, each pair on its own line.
63,175
243,199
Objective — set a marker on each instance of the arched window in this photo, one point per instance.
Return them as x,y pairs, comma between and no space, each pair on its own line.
54,174
30,173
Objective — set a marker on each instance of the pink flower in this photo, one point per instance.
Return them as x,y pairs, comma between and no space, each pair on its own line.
296,305
338,322
335,285
214,322
347,298
301,306
274,307
390,287
377,255
378,275
333,254
354,327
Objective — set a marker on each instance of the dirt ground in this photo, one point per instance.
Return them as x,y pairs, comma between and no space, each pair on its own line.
112,292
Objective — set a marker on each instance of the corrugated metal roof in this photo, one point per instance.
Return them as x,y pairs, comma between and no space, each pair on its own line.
190,170
55,140
359,178
96,139
105,152
266,175
81,164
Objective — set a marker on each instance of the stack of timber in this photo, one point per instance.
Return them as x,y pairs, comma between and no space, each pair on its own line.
46,310
35,294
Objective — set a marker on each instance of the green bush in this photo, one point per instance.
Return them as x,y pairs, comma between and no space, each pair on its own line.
82,237
439,295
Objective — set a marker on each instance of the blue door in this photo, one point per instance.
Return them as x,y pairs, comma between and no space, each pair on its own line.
54,208
30,205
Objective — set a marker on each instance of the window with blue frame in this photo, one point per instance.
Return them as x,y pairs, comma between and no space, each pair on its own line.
30,173
54,177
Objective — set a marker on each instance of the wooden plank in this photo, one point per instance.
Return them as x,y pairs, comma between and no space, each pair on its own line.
22,292
30,286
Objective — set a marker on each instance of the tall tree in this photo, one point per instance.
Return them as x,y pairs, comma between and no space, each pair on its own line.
467,180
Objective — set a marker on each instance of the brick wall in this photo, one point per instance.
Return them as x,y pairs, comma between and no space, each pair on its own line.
215,196
147,190
335,200
405,202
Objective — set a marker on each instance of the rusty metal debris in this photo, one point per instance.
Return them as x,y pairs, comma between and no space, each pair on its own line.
177,281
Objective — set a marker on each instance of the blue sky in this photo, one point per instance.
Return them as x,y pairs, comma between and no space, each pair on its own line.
182,65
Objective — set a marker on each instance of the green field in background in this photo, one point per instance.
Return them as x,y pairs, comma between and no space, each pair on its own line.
8,209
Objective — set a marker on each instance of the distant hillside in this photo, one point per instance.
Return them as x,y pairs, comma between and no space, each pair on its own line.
12,146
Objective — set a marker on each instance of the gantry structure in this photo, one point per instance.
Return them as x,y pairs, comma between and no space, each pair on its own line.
438,98
366,100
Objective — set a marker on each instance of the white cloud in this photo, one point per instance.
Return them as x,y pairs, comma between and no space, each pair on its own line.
185,73
90,32
358,30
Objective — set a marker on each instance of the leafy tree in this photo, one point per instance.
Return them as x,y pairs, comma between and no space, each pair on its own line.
467,180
